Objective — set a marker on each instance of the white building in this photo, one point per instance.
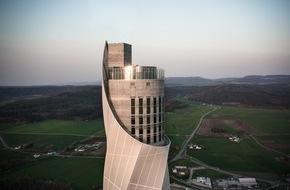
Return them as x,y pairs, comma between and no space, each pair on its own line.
248,182
204,180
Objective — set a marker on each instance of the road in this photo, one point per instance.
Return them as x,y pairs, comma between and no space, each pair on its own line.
267,148
182,153
185,144
4,142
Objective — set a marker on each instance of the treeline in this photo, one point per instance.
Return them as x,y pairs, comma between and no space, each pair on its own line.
11,92
275,96
84,102
81,104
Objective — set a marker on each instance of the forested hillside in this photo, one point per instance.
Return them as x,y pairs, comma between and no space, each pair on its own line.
84,102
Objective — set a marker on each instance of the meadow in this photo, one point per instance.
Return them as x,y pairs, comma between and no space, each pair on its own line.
247,155
83,173
243,156
180,123
265,121
79,173
59,127
56,135
183,121
41,142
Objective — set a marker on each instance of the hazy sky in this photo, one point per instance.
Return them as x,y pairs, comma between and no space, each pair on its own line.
59,41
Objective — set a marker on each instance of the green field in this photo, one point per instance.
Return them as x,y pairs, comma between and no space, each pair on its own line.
83,173
281,143
209,173
41,142
80,173
60,127
247,155
265,121
8,154
243,156
182,122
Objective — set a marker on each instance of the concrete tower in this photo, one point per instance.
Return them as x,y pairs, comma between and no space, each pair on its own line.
133,109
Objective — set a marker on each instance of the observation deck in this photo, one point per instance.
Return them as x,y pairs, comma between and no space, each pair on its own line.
135,73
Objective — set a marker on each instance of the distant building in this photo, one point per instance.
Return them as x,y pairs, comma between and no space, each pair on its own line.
133,111
248,182
204,180
228,184
194,146
180,170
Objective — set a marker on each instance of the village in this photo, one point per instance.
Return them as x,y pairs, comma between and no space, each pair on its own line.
190,175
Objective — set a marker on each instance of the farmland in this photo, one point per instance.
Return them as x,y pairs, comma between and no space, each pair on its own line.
60,127
270,127
56,135
245,156
80,173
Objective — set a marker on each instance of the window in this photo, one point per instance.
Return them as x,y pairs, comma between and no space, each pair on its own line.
148,119
154,105
154,138
154,119
148,139
160,126
140,105
141,138
133,130
140,120
148,105
140,130
133,120
148,129
133,106
159,136
155,128
163,105
159,118
159,107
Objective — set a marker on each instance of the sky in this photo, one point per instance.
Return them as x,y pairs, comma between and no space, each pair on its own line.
61,41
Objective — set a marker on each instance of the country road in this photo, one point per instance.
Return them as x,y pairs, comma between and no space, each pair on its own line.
267,148
4,142
185,144
182,153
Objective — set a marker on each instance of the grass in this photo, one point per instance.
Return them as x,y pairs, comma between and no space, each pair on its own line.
9,154
41,142
80,173
59,127
230,130
242,156
182,162
209,173
83,173
177,140
265,121
51,134
182,122
280,142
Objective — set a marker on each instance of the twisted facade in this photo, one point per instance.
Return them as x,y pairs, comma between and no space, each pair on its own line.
133,111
